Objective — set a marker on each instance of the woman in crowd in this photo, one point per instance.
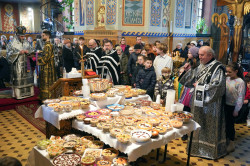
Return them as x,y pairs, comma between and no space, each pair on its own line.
149,50
235,93
124,79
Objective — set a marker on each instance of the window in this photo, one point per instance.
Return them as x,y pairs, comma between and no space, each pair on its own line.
188,13
200,10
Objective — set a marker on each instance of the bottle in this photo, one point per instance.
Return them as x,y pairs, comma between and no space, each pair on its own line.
64,72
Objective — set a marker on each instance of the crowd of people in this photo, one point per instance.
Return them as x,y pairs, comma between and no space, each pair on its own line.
216,94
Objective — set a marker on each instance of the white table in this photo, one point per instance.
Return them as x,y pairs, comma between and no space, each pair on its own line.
39,157
136,150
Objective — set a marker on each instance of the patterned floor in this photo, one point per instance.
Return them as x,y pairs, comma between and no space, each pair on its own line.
18,137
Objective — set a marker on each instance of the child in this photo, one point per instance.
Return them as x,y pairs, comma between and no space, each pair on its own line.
146,78
235,93
138,67
163,84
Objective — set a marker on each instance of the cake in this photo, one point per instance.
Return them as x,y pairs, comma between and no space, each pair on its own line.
98,96
103,163
80,117
141,135
110,153
120,161
144,126
115,131
123,138
95,144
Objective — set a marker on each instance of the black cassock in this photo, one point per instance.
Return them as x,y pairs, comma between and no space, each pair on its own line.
93,59
110,66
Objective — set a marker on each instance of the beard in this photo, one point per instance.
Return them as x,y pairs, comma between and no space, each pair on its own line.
107,51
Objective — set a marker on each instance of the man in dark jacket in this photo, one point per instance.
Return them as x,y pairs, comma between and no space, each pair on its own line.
79,51
67,54
133,58
146,78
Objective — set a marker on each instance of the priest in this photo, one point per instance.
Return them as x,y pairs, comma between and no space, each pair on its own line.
208,79
18,52
47,75
93,56
109,64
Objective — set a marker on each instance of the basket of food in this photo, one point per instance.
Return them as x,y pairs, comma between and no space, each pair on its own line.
98,85
184,116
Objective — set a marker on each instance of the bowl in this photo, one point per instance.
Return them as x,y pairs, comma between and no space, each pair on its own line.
141,135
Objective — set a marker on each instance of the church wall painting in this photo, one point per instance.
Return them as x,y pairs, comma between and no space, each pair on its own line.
133,12
82,12
24,18
166,13
179,18
76,12
9,16
155,12
111,12
194,15
90,12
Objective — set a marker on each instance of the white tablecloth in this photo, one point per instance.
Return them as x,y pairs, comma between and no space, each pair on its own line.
54,118
136,150
39,158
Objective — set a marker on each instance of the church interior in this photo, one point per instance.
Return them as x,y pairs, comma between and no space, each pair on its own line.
223,25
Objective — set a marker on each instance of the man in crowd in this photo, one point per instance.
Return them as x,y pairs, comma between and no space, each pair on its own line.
22,79
79,51
139,41
208,79
133,59
94,55
58,57
11,38
30,40
75,42
109,63
47,75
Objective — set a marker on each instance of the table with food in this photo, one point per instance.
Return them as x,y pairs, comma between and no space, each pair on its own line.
118,133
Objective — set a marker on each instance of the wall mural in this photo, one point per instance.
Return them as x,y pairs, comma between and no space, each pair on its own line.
24,17
195,5
111,12
179,18
9,16
133,12
166,13
155,13
82,12
90,12
76,12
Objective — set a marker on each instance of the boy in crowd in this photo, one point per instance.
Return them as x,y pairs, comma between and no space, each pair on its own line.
146,78
138,67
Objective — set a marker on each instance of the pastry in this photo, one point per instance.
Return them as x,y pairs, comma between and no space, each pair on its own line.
94,122
88,160
106,127
103,163
87,120
95,144
176,123
85,104
128,129
104,111
141,135
98,96
76,105
120,161
123,138
110,153
86,139
144,126
115,131
80,117
161,129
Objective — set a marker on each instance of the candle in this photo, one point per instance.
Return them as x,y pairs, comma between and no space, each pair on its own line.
158,99
169,99
173,107
84,81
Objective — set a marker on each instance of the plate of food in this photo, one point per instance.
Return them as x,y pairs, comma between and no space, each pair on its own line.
88,160
123,138
141,135
184,116
96,153
120,161
49,101
43,144
115,107
67,159
110,153
92,114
